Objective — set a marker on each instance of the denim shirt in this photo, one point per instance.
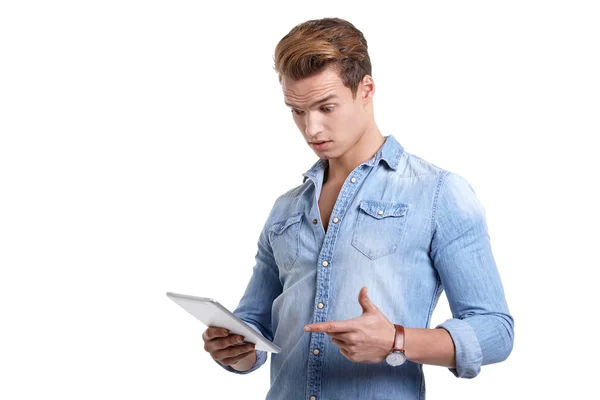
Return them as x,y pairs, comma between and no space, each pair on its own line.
407,230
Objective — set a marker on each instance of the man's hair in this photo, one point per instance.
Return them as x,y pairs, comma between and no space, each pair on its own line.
314,45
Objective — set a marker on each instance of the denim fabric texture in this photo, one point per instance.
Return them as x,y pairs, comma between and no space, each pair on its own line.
407,230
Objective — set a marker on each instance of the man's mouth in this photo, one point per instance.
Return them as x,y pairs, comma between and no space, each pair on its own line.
321,145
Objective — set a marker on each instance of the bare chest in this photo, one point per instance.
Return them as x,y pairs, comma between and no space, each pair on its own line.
327,199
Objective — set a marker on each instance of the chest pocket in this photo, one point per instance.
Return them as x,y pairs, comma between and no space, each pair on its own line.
379,227
285,240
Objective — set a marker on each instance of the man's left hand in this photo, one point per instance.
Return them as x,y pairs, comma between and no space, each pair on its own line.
367,339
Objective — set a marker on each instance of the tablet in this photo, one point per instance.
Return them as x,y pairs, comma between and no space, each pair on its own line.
212,313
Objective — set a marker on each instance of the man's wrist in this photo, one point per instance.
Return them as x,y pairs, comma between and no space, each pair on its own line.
245,363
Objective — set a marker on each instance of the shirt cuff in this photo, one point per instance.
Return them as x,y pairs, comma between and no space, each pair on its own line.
468,350
261,358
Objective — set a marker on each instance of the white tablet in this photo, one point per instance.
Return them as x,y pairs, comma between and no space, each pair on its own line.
212,313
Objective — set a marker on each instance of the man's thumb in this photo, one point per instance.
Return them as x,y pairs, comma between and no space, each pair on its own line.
364,300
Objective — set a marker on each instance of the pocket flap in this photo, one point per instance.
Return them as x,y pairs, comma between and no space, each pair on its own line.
382,209
282,226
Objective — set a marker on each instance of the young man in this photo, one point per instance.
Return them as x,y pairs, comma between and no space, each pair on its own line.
367,215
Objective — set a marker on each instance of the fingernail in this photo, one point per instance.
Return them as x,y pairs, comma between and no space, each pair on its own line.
306,329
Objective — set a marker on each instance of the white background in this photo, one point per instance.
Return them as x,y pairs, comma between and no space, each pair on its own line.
144,142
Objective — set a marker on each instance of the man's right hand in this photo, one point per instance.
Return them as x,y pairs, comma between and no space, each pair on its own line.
228,349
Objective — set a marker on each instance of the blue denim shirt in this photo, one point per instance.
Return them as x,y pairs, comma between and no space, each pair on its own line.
407,230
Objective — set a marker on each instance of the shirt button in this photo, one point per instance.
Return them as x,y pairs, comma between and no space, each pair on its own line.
315,221
380,212
336,220
320,305
324,263
353,180
313,398
316,352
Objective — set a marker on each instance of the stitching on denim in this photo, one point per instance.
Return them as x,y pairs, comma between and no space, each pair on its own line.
434,298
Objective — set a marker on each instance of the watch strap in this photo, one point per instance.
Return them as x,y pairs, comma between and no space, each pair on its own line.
399,339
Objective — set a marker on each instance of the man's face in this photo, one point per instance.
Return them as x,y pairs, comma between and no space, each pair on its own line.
324,111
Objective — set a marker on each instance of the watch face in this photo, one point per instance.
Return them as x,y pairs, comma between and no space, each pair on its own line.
395,358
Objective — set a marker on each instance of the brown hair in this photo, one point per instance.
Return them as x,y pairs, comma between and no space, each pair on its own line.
313,45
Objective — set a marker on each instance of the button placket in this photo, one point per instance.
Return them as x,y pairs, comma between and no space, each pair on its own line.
316,341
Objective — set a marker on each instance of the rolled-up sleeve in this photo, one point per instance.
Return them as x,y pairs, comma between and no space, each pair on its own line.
255,305
481,327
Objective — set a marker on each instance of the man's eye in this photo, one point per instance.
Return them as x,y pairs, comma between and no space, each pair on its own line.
300,112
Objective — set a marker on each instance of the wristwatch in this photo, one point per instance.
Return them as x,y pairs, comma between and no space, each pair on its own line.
396,356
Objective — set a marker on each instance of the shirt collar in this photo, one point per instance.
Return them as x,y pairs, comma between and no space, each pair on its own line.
390,152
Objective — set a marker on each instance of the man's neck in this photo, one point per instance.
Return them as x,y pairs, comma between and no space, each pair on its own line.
339,168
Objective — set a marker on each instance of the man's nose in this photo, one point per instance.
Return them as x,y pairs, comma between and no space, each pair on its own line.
313,126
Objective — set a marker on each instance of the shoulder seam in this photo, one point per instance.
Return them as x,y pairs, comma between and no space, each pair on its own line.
420,161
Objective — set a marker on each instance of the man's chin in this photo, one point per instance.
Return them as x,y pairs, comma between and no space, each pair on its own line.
327,156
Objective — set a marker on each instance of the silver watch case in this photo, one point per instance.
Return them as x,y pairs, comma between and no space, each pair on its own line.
395,358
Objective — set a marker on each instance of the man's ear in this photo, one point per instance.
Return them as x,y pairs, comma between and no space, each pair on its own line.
366,90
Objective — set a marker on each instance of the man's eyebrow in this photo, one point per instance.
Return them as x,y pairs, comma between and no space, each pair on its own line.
323,100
